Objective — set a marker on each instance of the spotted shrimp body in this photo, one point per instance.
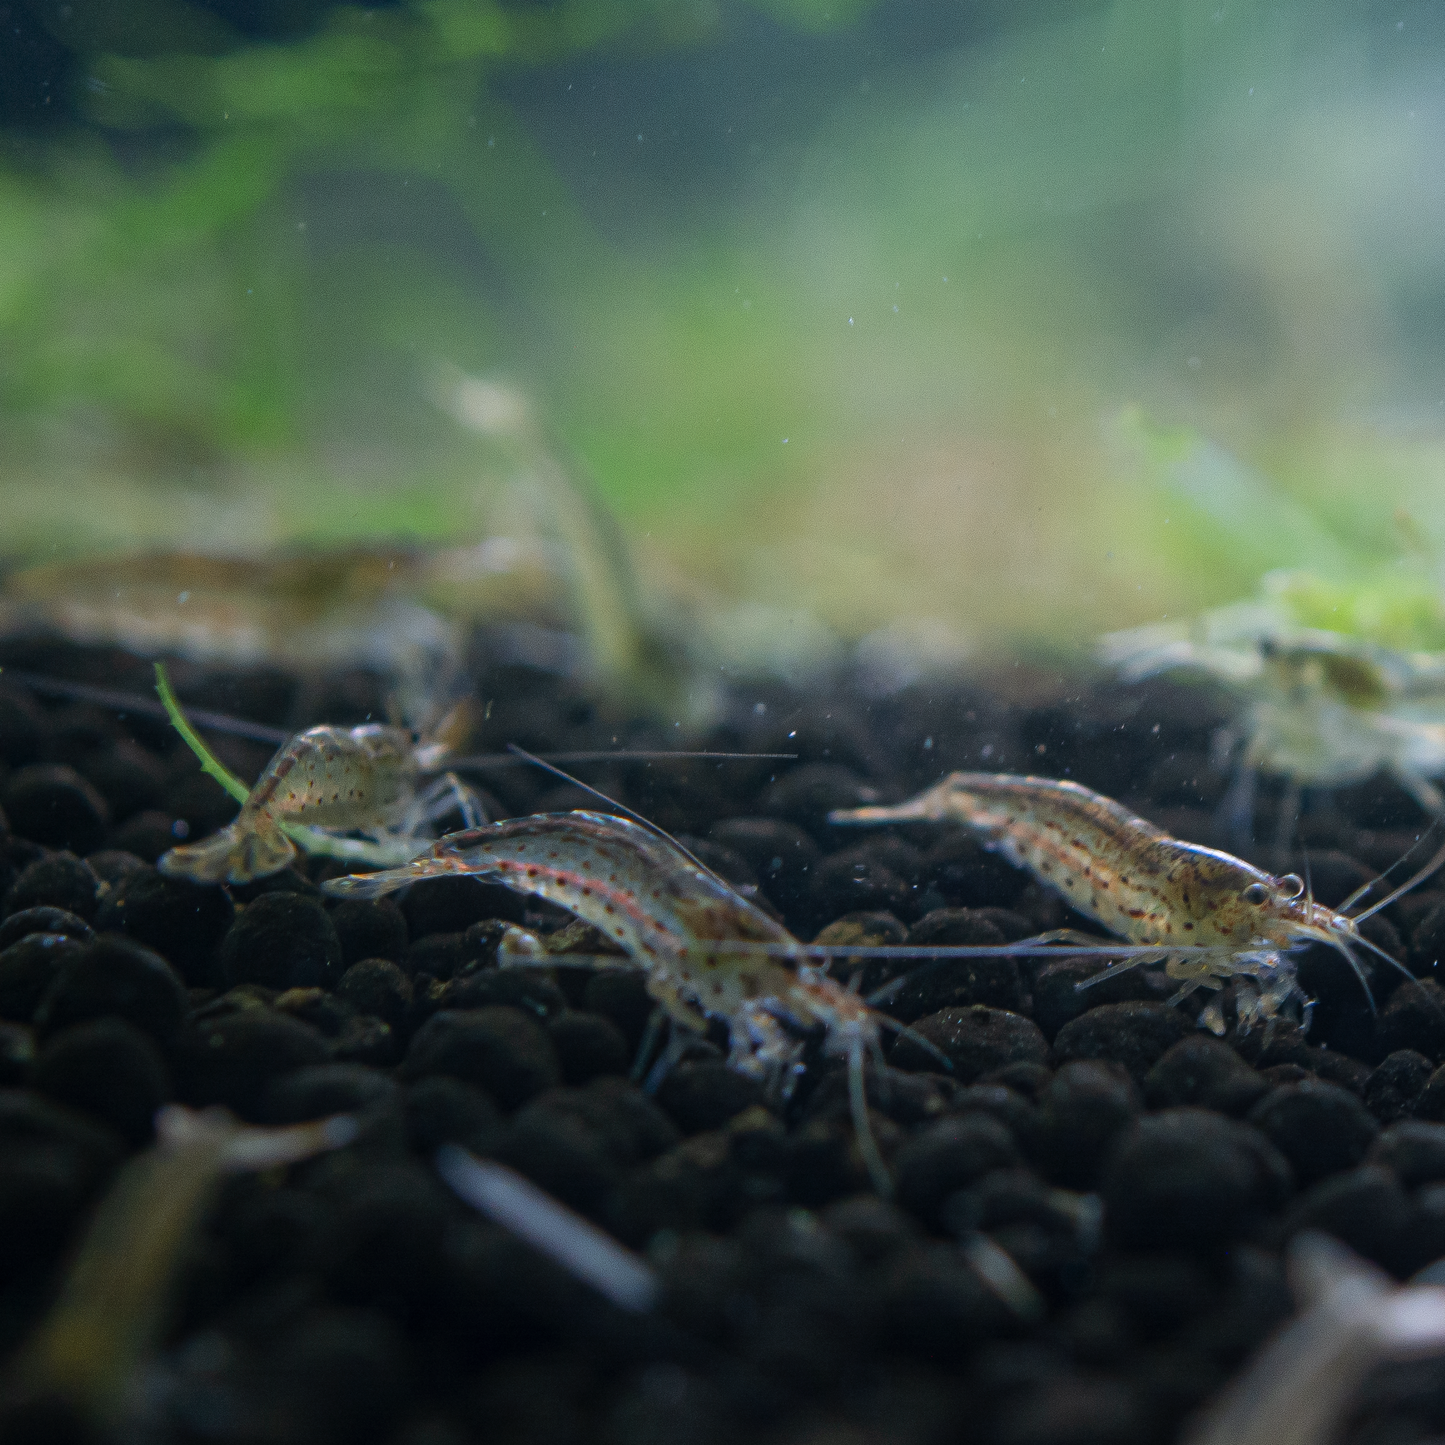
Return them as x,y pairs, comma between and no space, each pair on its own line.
326,778
1231,918
707,951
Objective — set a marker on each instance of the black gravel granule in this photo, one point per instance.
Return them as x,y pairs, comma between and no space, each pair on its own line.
1189,1179
499,1049
1320,1128
973,1041
281,940
376,986
54,806
112,976
180,920
108,1069
370,928
43,919
60,880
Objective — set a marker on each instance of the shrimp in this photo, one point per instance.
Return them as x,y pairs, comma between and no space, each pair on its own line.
707,951
360,779
1214,916
120,1290
1319,708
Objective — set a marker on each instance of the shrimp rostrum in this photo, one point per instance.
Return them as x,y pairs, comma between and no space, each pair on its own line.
707,951
1208,916
322,784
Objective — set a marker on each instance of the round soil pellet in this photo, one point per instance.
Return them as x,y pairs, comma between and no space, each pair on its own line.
442,1110
946,1157
43,919
705,1095
501,1050
973,1041
1134,1034
1396,1085
588,1046
108,1069
1188,1178
60,880
1204,1072
114,976
54,806
281,940
1320,1128
182,921
370,928
28,968
230,1060
376,986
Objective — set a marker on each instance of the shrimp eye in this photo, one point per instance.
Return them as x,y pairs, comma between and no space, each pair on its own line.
1290,886
1256,893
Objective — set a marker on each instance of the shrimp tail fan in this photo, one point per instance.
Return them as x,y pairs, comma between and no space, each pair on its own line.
236,854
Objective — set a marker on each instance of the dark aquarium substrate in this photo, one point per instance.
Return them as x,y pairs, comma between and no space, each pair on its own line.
1143,1175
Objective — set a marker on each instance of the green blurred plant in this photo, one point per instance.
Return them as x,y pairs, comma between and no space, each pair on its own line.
167,303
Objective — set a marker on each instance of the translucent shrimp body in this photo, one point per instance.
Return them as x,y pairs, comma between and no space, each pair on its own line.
1137,881
676,920
327,777
672,916
361,779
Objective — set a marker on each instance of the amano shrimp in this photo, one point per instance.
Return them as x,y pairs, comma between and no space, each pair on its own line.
324,781
1213,916
707,951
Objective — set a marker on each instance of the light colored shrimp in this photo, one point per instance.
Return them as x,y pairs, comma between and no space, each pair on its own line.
706,950
1319,708
1214,916
121,1288
324,781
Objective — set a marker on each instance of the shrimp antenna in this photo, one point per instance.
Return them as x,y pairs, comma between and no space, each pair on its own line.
862,1125
215,722
1360,972
905,1031
1364,888
1432,866
1389,958
622,808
